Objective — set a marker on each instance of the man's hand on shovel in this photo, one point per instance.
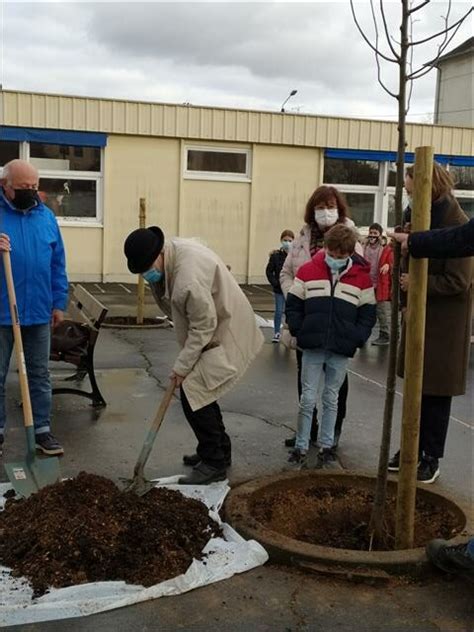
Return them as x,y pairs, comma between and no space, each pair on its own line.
177,379
5,243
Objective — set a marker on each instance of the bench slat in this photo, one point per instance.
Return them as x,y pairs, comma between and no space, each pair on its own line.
91,307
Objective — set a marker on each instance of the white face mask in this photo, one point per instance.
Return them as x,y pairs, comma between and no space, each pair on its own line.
326,216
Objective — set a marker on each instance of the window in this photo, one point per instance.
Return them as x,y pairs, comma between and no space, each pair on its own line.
64,157
342,171
9,150
362,207
70,180
463,177
209,163
70,198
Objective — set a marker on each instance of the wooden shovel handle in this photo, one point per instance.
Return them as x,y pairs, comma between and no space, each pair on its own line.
153,431
20,356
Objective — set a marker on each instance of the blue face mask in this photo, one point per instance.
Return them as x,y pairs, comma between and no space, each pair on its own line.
153,275
336,265
286,244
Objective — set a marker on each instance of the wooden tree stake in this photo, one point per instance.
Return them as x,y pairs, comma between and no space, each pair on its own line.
414,354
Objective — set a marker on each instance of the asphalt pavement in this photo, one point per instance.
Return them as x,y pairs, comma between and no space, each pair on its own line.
133,368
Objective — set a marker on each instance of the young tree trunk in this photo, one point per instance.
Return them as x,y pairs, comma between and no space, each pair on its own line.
376,520
414,356
141,282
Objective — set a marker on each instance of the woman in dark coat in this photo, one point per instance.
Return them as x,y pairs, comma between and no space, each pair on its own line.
447,330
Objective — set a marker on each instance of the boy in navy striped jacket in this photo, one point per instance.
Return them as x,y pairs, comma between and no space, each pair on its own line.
330,309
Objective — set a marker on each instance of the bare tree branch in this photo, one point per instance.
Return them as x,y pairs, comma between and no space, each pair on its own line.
420,6
444,31
410,62
426,68
390,59
387,33
377,53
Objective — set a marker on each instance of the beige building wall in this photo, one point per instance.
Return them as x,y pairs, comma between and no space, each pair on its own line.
218,214
455,91
83,247
137,167
283,179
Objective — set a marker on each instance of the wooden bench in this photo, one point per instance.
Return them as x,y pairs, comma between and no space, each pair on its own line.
84,309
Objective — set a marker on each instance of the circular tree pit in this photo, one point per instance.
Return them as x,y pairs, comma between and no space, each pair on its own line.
130,322
318,520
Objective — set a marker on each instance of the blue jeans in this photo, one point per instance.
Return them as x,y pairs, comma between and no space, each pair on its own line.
279,309
36,346
312,367
470,549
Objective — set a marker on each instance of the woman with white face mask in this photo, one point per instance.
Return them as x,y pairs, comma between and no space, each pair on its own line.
325,208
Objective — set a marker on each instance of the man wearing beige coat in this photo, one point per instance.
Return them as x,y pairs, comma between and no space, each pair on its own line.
215,329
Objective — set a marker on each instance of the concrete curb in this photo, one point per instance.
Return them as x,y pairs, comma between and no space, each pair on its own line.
351,564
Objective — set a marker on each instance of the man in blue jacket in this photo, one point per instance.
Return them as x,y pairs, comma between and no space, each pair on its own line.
29,230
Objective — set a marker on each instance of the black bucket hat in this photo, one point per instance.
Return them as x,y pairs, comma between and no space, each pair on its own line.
142,247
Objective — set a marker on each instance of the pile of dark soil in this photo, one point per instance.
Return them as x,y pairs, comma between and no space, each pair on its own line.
86,530
338,516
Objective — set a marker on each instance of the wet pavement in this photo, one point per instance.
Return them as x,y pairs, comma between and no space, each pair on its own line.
132,370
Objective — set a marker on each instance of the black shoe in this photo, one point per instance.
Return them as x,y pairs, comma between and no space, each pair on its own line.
48,444
449,558
290,443
297,457
194,459
325,459
381,341
202,474
2,441
428,469
394,463
191,459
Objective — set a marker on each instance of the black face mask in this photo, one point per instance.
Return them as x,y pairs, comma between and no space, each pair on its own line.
25,199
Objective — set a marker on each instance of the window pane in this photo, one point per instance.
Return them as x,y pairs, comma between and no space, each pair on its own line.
69,198
340,171
392,173
467,205
463,177
9,150
361,207
391,208
217,161
64,157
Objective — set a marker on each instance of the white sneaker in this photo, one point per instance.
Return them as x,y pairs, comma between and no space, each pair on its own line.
276,338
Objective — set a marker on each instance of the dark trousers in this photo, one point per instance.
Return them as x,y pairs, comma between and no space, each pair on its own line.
214,447
434,421
341,403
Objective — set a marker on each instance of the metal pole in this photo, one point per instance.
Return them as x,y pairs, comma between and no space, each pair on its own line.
414,355
141,282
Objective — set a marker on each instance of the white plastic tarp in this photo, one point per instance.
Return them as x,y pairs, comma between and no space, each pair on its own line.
225,557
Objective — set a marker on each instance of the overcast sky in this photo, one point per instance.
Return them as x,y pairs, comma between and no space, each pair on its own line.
247,55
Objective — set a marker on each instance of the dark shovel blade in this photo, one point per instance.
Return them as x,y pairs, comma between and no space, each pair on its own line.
27,477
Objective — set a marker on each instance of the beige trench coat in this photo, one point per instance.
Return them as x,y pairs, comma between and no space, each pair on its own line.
214,322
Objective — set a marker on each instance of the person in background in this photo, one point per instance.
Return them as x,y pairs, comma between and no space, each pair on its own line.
380,258
444,243
29,230
215,329
273,269
331,310
325,208
447,329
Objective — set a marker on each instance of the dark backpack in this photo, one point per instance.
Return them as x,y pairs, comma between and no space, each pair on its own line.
70,337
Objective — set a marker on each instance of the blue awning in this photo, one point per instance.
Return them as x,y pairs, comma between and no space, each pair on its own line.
381,156
53,136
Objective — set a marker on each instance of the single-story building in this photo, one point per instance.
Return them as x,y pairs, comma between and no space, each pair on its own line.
233,178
